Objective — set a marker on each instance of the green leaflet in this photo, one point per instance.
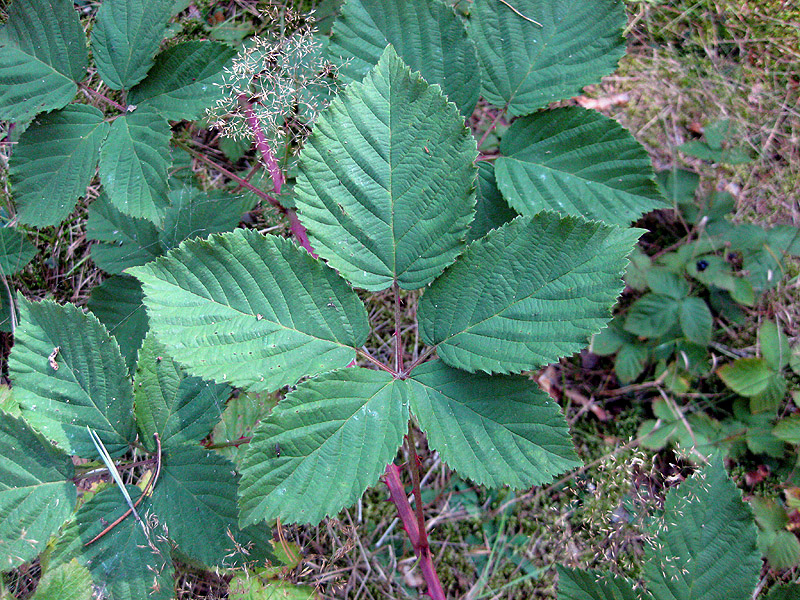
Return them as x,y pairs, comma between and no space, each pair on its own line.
527,66
576,162
36,491
178,408
90,387
118,303
55,161
125,563
747,376
652,315
246,587
790,591
706,546
527,294
252,310
183,80
495,430
387,180
696,320
193,213
134,159
125,37
196,498
69,581
774,345
322,446
427,35
130,241
241,415
16,251
491,209
577,584
42,56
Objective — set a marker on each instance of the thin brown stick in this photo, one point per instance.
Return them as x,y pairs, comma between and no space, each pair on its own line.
419,360
520,14
364,354
148,487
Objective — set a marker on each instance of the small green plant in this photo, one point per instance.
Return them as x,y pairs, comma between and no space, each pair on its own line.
718,268
704,546
719,145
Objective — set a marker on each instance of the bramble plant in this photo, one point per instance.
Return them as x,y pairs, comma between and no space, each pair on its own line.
518,249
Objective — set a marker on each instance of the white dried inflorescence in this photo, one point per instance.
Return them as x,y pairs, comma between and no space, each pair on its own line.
286,79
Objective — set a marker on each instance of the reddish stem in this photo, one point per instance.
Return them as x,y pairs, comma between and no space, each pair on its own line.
492,126
261,143
102,97
275,172
417,534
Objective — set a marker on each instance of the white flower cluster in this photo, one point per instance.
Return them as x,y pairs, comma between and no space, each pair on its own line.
286,79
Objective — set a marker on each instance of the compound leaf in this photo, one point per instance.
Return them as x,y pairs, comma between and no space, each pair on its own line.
427,35
177,408
579,584
126,35
36,491
196,498
495,430
133,164
118,303
527,64
576,162
706,547
89,387
527,294
322,446
42,55
16,251
129,242
387,181
183,80
252,310
125,562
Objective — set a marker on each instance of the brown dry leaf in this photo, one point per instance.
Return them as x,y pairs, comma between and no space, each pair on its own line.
605,103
